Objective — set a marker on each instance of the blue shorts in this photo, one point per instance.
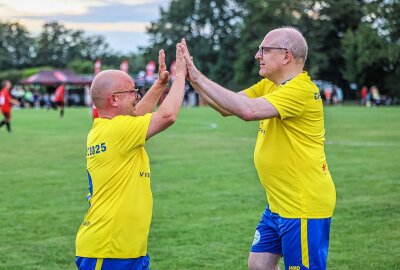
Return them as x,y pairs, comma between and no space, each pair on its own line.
141,263
303,243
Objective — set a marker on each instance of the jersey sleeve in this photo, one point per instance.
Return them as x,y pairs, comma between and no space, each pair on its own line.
131,131
288,100
256,90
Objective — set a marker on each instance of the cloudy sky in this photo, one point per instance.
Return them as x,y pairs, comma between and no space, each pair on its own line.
121,22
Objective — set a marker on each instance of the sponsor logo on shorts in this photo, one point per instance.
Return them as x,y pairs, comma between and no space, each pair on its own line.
256,238
291,267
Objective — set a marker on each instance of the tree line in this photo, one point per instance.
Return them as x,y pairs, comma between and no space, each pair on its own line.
350,41
56,46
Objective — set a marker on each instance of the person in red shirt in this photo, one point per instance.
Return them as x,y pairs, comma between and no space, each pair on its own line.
6,102
364,95
59,98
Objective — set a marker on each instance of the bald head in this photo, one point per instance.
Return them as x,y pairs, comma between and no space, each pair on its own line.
106,82
290,38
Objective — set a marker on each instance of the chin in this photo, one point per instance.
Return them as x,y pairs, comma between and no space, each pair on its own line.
263,73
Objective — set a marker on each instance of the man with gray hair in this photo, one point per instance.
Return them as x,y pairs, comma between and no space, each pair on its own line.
289,154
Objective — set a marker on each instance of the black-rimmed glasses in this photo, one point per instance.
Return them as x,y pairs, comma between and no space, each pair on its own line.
136,91
266,48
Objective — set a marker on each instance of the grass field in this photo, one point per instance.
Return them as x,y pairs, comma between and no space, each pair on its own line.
207,197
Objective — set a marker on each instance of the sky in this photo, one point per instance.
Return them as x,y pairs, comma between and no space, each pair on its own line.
121,22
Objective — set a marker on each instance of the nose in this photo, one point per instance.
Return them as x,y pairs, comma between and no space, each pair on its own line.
258,55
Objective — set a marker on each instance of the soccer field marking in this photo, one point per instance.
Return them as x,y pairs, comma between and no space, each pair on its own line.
213,125
253,140
211,138
363,144
203,126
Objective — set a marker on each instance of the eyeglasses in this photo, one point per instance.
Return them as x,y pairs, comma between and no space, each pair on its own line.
136,91
266,48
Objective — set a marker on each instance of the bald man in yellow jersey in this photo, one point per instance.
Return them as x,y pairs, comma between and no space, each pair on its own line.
289,154
114,232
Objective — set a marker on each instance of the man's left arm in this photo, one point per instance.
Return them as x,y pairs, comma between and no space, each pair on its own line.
149,101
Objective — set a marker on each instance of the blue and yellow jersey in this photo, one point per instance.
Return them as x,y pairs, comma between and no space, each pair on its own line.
118,221
289,154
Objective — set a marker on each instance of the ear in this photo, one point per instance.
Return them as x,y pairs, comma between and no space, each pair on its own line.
288,57
112,101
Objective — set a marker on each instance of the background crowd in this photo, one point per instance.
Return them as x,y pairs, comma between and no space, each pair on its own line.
76,96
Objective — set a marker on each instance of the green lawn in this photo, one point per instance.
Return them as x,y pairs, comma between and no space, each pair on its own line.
207,197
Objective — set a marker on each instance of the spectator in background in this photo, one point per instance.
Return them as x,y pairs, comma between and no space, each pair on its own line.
59,97
45,101
364,95
339,95
375,95
328,94
6,102
36,98
17,92
334,95
28,99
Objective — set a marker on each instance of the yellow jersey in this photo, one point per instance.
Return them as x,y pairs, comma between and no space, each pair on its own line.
118,221
289,153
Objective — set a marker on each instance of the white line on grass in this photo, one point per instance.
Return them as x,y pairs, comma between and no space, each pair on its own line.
210,138
253,139
363,144
203,126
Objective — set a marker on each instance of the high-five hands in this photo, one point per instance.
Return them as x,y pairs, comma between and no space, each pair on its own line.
193,73
181,65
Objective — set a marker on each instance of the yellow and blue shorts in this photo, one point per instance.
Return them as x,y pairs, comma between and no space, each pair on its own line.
302,242
141,263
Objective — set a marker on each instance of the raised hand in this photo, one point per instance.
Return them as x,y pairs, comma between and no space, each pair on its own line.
193,73
163,74
181,66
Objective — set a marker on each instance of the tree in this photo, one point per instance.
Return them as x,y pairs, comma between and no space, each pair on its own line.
16,46
260,16
80,66
328,21
364,54
210,28
57,46
372,51
52,45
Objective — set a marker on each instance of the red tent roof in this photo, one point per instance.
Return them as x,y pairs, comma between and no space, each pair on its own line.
51,77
